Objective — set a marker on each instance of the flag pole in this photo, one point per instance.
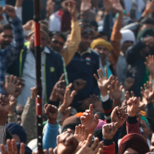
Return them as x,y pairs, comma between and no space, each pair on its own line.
37,19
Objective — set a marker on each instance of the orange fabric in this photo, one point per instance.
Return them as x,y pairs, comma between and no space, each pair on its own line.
115,41
79,114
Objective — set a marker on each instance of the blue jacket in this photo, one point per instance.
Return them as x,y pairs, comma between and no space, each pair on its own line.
83,67
52,73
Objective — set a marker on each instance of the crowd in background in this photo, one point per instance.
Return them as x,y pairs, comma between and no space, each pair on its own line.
97,74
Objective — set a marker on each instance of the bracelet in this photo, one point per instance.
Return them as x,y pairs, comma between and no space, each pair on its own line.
147,11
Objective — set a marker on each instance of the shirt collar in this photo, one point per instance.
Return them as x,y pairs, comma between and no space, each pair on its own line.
46,50
84,52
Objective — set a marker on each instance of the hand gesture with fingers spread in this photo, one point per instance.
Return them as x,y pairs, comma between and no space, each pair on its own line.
115,90
109,130
150,64
97,104
11,86
87,148
68,96
12,147
79,84
58,90
89,120
118,115
103,81
81,133
107,6
129,83
148,93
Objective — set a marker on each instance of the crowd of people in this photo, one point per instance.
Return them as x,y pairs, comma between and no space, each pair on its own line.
97,74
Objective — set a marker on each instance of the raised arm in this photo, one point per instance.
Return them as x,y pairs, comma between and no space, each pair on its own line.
116,35
11,52
75,36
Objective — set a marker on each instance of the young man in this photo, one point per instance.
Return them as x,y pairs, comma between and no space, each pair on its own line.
83,65
11,41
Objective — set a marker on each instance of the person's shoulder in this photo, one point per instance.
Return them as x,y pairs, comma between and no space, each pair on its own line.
95,54
54,53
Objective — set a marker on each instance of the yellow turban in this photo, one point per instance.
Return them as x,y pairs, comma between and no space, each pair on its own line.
101,42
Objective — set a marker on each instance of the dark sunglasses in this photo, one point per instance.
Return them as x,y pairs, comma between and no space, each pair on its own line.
57,42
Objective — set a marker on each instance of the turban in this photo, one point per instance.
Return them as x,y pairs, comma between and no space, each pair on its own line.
16,129
144,33
102,42
127,35
135,142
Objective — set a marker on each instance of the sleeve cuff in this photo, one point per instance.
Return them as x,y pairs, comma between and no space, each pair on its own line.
105,98
107,142
132,120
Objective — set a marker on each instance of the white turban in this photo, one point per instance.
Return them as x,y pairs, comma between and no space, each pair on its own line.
127,35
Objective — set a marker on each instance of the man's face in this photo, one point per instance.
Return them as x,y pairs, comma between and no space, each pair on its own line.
126,45
100,15
57,43
144,26
44,41
152,143
6,38
145,128
102,51
86,40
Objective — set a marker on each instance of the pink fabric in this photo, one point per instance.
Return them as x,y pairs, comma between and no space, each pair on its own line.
100,124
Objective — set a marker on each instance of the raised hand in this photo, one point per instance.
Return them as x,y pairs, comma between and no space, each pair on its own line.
66,143
109,130
81,133
85,5
129,82
117,6
128,96
150,64
51,112
68,96
79,84
66,114
33,93
49,8
132,106
103,81
107,6
97,104
10,11
11,86
72,9
118,115
148,93
89,120
4,109
13,102
12,147
89,148
58,90
115,90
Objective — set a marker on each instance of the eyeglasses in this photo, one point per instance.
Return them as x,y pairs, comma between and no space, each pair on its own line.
57,42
